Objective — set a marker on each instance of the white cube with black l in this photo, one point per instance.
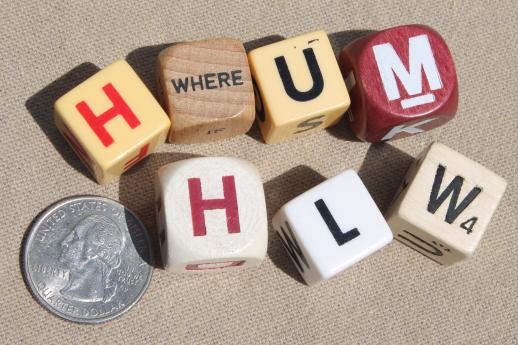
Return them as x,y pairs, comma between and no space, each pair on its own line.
331,227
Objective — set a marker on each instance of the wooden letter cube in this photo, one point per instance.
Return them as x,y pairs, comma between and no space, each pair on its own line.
299,86
207,90
402,81
331,227
444,205
111,120
211,213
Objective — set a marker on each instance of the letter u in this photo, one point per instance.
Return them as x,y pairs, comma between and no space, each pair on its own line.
314,70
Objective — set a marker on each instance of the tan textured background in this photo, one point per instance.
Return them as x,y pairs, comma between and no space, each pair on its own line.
393,297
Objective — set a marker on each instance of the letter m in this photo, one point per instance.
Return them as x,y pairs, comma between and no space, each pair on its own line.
420,58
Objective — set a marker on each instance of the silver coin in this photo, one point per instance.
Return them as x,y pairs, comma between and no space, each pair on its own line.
87,259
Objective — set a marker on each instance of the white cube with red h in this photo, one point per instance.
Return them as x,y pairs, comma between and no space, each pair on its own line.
211,215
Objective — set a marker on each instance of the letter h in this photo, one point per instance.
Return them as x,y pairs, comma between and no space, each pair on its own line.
199,205
97,122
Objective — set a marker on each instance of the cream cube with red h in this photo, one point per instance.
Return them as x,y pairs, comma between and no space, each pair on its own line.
211,215
111,120
401,81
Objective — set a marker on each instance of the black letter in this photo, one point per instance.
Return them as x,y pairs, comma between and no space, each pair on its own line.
193,83
259,109
236,77
223,80
292,247
435,251
310,124
287,81
208,82
453,188
340,237
215,130
183,84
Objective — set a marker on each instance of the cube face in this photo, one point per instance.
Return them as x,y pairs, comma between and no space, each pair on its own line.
402,81
211,214
111,121
445,205
331,227
207,90
299,83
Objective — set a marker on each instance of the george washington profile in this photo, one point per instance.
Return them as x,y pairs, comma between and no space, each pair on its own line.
91,252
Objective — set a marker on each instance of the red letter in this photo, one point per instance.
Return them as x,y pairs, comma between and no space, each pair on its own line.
199,205
213,265
76,146
142,153
97,122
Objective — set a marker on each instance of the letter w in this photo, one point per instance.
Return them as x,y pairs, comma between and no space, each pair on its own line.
453,188
181,84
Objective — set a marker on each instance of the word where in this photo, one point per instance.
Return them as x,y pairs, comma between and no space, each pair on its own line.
208,81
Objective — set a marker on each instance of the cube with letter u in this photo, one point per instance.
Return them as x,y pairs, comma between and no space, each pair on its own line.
211,215
331,227
299,86
111,120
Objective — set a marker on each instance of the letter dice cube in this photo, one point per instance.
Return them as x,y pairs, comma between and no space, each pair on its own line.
207,90
331,227
211,215
444,205
111,120
299,88
402,81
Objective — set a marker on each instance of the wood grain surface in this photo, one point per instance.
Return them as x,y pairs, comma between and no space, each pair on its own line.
220,102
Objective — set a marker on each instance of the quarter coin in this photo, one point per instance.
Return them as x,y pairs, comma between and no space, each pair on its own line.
87,259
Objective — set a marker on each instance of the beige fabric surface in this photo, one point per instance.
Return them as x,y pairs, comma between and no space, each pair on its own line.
395,296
